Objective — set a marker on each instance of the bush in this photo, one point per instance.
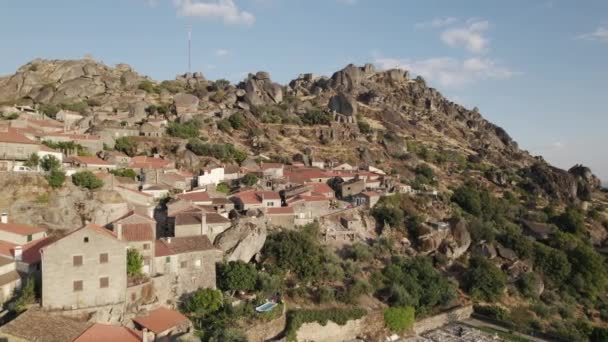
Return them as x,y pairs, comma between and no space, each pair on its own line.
79,107
364,127
87,179
135,262
483,280
223,152
56,178
128,173
552,263
50,163
296,318
492,311
223,188
26,296
425,171
528,285
294,251
236,276
148,86
204,302
32,161
388,214
360,252
224,126
399,319
317,117
571,221
237,121
126,145
185,130
249,179
50,110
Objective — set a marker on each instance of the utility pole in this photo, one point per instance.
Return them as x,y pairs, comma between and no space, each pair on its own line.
189,48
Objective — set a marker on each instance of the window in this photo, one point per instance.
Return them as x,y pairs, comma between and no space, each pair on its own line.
86,239
146,246
197,263
77,260
167,260
103,258
183,264
104,282
29,238
77,285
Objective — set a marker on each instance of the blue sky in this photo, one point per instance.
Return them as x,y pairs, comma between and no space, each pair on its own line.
537,68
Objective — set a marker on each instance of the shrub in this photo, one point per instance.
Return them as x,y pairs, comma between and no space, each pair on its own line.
483,280
224,126
552,263
364,127
294,251
236,276
126,145
185,130
26,296
571,221
237,121
79,107
223,188
50,110
224,152
135,262
296,318
32,161
50,163
361,252
317,117
221,84
249,179
492,311
148,86
399,319
528,285
425,171
128,173
204,302
56,178
87,179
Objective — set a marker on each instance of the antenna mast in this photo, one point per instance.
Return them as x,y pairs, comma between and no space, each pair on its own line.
189,48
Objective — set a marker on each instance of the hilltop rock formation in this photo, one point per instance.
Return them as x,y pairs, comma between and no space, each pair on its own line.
244,240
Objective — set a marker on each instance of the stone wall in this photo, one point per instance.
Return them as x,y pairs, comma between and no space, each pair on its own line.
434,322
267,331
370,327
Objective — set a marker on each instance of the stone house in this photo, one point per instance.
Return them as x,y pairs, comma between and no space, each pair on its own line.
10,281
157,191
151,168
69,118
149,130
231,173
196,197
16,146
17,233
366,198
176,180
281,217
322,189
134,196
191,260
117,158
90,163
401,188
309,207
272,170
252,199
139,232
344,167
211,176
197,221
165,324
352,187
86,268
93,143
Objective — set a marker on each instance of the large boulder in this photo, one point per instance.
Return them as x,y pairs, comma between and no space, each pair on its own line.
260,90
458,244
244,240
343,104
351,77
185,103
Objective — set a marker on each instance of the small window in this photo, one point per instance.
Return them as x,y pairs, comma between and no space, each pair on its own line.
77,260
86,239
77,285
104,282
29,238
167,260
197,263
103,258
183,264
146,246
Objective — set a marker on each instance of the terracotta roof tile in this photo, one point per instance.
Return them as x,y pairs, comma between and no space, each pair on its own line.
20,229
137,232
144,162
101,332
161,319
91,160
12,136
186,244
198,196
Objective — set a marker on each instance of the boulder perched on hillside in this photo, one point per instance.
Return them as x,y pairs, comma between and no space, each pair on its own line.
243,240
343,104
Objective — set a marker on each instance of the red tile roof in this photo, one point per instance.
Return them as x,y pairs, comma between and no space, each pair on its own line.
90,160
161,319
266,166
280,211
20,229
161,249
137,232
255,197
314,198
14,137
145,162
30,251
102,332
321,188
186,244
370,193
198,196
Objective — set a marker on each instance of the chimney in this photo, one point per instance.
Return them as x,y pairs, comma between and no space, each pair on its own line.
18,253
118,231
203,223
151,211
4,218
144,335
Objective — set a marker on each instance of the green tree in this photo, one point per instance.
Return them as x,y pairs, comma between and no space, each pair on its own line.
589,276
135,263
425,171
224,126
50,163
185,130
391,215
56,178
87,179
127,145
25,296
552,263
148,86
204,302
223,188
128,173
49,110
364,127
317,117
237,276
249,179
483,280
294,251
571,221
468,199
32,161
399,319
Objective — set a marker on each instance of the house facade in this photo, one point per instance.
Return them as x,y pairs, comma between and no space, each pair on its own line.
84,269
139,232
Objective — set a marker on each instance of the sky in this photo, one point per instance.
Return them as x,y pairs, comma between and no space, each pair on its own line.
538,68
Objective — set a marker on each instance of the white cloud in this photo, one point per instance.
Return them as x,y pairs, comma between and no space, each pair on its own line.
470,37
226,10
600,34
436,23
221,52
448,71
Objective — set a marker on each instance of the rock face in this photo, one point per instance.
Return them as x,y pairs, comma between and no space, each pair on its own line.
343,104
244,240
260,90
458,243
